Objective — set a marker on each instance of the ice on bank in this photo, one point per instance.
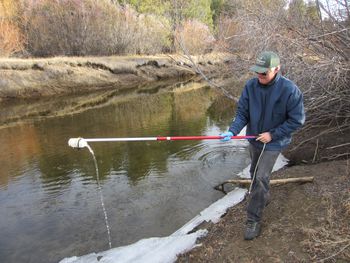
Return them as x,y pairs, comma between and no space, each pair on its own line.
164,249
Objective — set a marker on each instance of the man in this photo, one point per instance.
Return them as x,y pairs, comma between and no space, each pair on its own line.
271,106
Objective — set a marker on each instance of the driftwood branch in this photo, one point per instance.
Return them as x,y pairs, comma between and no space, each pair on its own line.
337,146
246,182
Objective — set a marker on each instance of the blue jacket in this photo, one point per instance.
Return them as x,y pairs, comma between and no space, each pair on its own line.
276,108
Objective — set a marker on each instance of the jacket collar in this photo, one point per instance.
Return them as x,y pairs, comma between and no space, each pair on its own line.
272,82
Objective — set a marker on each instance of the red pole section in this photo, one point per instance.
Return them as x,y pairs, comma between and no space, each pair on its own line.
182,138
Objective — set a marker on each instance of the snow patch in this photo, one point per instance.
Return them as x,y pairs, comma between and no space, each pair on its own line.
152,250
164,249
214,212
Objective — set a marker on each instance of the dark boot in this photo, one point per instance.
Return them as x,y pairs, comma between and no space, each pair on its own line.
252,230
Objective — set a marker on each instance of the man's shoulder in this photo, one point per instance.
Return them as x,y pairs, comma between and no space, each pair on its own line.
287,81
251,82
289,84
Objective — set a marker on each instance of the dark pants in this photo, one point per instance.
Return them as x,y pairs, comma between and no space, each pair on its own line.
261,187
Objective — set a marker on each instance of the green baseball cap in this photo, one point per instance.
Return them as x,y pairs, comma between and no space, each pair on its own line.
265,61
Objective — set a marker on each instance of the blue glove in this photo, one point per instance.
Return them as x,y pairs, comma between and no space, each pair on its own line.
226,136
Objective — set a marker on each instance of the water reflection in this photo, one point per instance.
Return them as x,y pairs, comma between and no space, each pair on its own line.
49,191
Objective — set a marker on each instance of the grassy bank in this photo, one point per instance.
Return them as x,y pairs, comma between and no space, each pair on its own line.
33,78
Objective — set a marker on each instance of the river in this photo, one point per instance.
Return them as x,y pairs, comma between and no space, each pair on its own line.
49,199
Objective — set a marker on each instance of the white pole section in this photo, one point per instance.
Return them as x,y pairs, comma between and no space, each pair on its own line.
82,142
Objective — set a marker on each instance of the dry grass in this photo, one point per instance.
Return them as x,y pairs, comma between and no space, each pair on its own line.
346,205
330,241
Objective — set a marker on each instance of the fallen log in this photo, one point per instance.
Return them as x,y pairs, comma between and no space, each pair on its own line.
246,182
273,181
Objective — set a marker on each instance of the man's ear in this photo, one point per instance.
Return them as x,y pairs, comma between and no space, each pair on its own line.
277,69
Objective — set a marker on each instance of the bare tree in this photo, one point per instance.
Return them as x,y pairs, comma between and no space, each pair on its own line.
315,50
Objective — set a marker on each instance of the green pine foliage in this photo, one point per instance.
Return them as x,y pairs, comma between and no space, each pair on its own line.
205,11
200,10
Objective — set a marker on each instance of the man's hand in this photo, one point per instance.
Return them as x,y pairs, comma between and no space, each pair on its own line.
226,136
264,137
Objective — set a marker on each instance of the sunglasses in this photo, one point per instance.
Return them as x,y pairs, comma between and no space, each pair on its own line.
265,73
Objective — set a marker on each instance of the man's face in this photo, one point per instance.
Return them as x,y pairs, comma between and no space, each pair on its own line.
265,78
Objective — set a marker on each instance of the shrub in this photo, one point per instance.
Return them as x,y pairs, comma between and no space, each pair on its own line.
152,35
226,31
193,37
90,27
11,39
70,27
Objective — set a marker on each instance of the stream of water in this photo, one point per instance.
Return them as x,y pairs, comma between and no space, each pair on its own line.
50,194
101,197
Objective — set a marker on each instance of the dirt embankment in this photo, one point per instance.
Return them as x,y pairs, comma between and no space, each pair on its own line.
303,223
33,78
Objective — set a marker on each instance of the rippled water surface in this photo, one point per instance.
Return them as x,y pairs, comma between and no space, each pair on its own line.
49,200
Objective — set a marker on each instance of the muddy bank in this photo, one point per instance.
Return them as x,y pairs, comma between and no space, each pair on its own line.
36,78
303,223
